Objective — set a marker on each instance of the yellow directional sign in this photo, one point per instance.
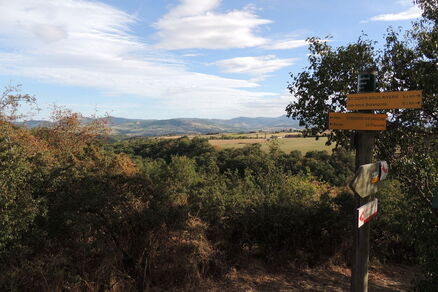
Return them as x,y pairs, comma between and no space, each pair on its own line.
384,100
357,121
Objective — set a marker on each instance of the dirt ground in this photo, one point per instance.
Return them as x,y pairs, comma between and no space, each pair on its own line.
382,278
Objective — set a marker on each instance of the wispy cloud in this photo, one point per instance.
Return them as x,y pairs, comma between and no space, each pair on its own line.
196,24
258,66
192,55
285,44
89,44
411,13
275,106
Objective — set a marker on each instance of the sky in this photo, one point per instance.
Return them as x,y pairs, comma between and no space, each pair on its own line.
152,59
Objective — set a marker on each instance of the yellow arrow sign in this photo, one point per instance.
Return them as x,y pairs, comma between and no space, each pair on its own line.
357,121
384,100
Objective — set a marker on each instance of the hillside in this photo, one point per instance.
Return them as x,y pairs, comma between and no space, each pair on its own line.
182,126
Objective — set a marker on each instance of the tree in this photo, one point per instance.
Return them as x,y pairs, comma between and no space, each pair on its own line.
21,161
18,205
407,61
10,101
403,64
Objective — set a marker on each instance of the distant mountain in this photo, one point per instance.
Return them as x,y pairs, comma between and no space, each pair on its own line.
34,123
199,126
186,126
281,122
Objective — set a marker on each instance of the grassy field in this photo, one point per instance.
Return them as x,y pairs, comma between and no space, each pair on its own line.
286,144
258,135
234,140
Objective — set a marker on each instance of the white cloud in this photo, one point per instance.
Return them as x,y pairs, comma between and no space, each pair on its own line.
195,24
78,27
411,13
269,106
285,44
256,106
50,33
89,44
193,55
193,7
259,65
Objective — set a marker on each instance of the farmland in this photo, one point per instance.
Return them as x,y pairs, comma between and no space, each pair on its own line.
286,144
187,187
287,141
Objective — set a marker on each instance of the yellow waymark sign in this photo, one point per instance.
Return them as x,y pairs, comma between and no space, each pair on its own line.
384,100
357,121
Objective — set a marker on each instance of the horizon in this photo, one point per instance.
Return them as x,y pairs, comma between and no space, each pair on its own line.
176,118
215,59
180,126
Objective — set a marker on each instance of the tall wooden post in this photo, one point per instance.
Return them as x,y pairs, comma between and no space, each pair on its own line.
364,145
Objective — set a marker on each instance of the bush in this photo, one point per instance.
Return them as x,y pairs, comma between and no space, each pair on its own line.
165,214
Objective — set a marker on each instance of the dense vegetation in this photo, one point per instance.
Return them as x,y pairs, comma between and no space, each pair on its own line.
78,213
406,61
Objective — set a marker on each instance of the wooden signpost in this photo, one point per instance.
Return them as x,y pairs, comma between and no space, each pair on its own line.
367,174
435,198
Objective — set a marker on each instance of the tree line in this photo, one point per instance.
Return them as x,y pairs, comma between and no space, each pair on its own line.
80,213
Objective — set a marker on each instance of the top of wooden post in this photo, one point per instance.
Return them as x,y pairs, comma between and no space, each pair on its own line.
366,81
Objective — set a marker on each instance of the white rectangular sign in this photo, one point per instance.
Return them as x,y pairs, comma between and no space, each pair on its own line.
366,212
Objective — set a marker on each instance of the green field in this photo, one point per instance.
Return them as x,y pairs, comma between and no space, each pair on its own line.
286,144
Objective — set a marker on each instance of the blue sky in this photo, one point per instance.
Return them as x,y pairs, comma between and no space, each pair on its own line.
175,58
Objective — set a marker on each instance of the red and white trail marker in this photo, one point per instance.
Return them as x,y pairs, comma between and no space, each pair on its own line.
366,212
383,170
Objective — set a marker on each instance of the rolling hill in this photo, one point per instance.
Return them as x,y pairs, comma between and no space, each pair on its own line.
186,126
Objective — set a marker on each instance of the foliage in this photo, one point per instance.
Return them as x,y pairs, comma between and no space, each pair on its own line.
336,169
324,85
390,230
148,214
10,101
18,205
406,62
